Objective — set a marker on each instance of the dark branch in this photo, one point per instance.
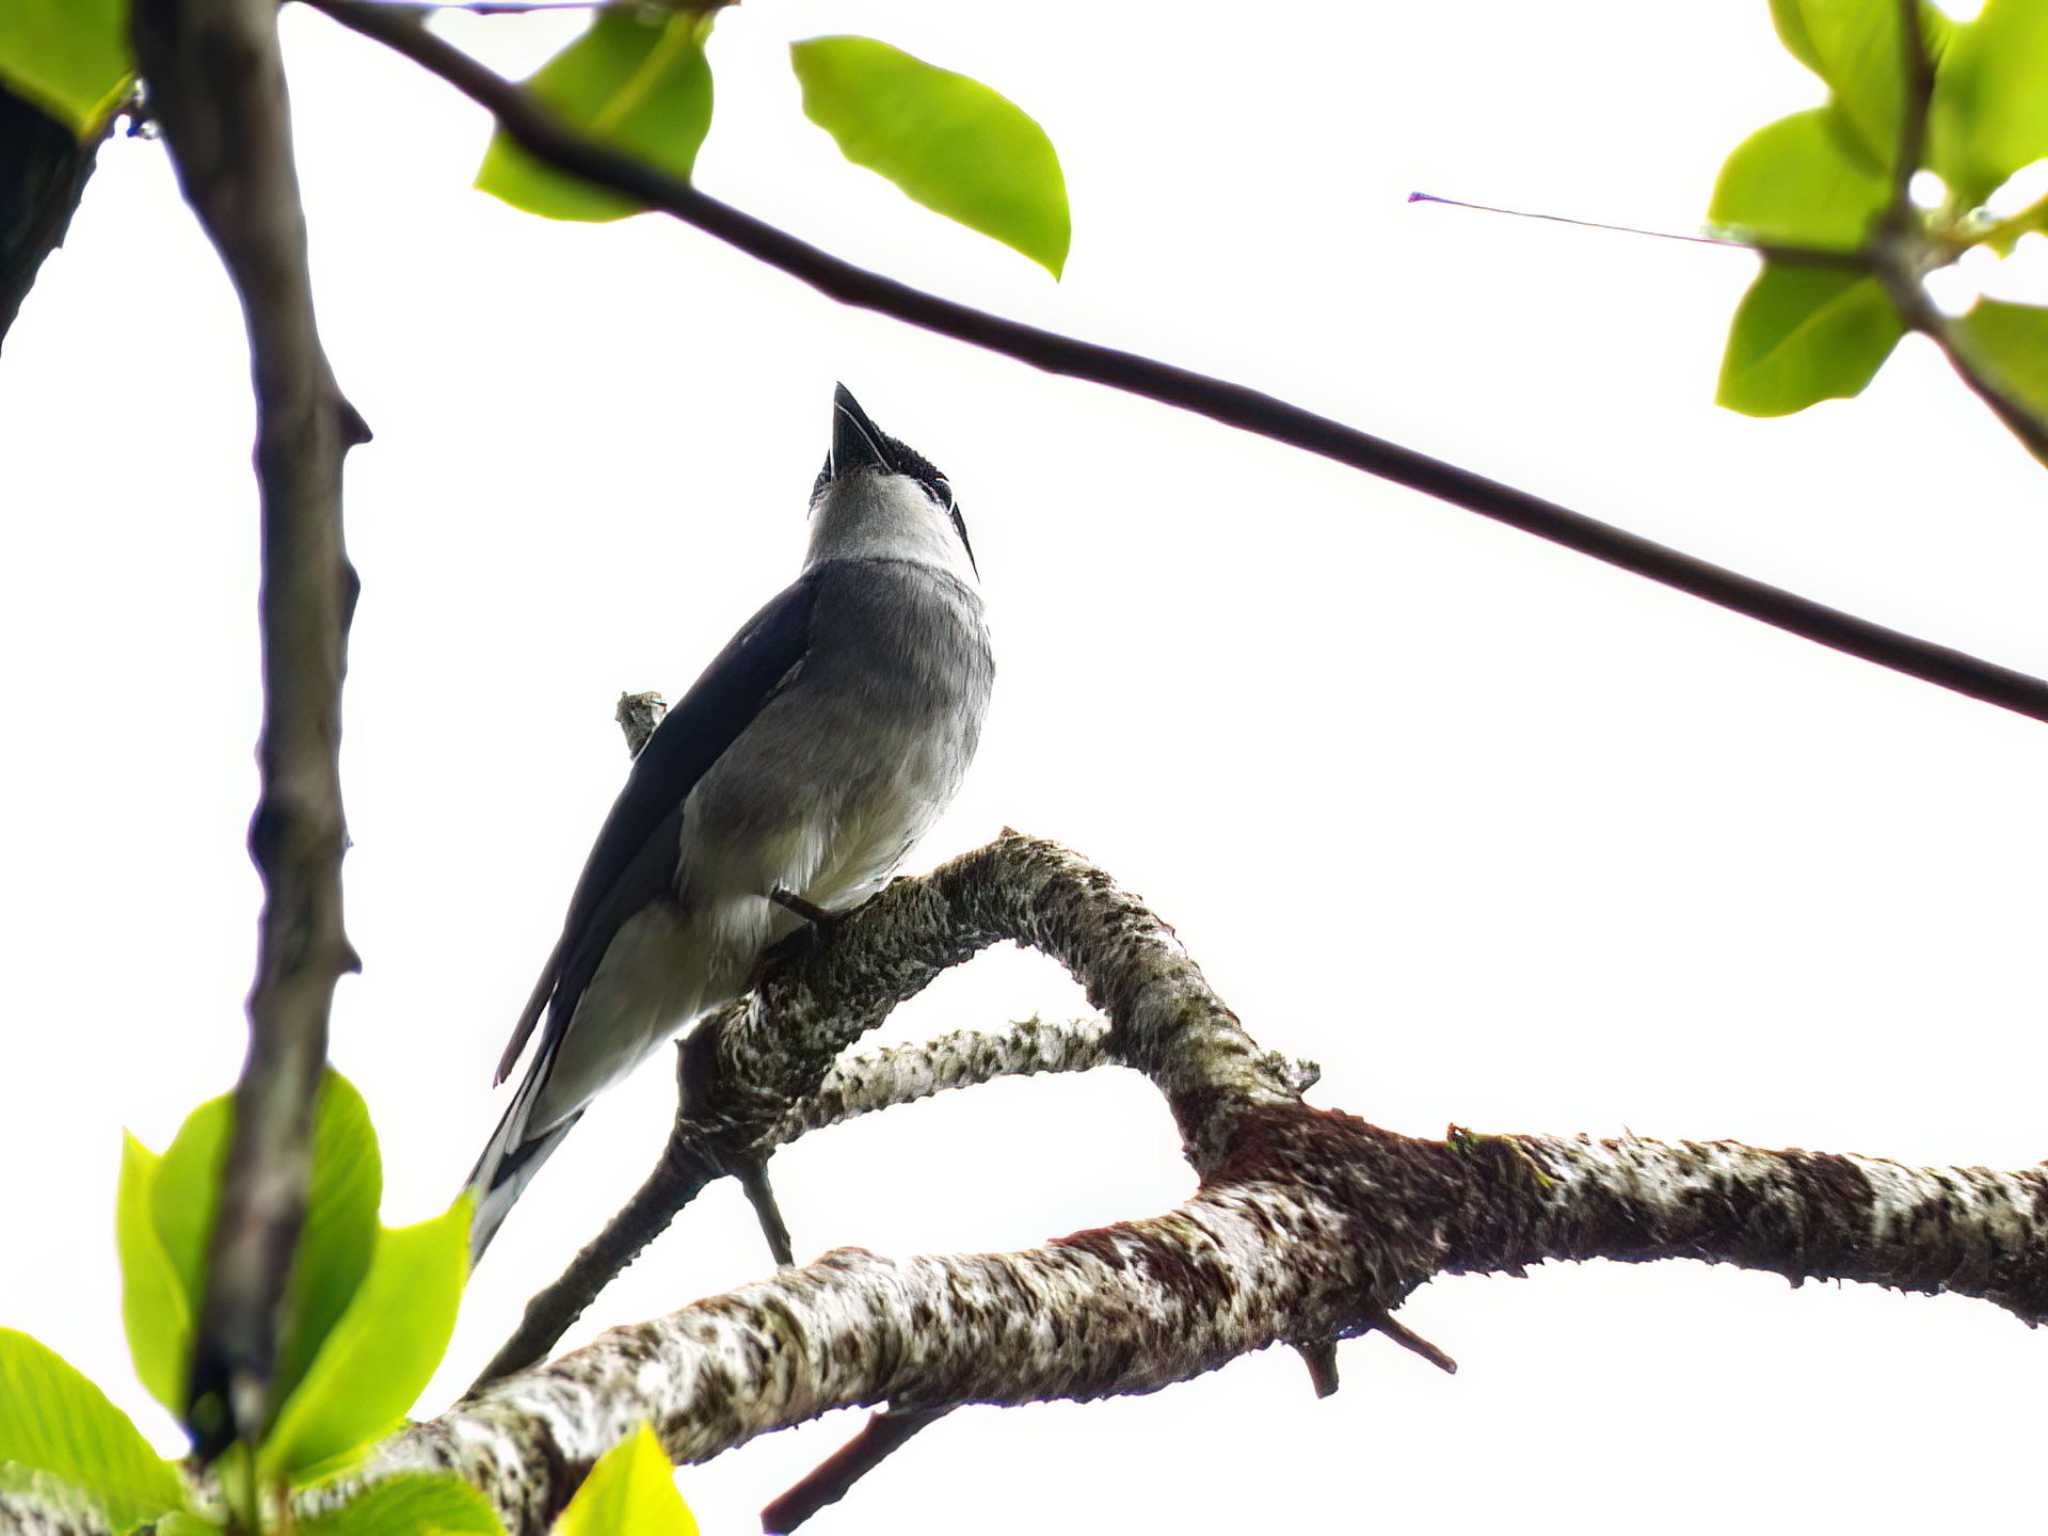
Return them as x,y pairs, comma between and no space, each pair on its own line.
1902,253
881,1437
217,88
541,135
745,1072
1314,1226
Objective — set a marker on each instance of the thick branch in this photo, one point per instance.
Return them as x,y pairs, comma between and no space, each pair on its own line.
701,1151
1313,1224
217,88
542,136
748,1071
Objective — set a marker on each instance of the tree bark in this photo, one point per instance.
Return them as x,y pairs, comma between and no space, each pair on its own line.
1309,1225
217,88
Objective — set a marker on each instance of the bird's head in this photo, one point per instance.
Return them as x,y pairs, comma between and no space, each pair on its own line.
879,498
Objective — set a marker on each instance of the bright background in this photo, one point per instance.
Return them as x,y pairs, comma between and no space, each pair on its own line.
1497,834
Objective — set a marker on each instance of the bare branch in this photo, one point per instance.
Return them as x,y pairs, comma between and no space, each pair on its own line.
884,1434
746,1069
217,88
1917,70
1313,1226
902,1074
1901,254
539,133
696,1153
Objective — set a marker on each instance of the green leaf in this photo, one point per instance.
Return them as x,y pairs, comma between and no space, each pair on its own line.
187,1525
381,1354
346,1184
53,1420
418,1504
154,1307
70,57
1802,335
165,1222
631,1491
635,80
185,1191
1990,114
1854,46
951,143
2011,341
1797,180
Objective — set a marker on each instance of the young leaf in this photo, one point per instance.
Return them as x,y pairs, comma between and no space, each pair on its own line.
418,1504
154,1307
187,1525
342,1197
951,143
70,57
53,1420
1990,114
380,1355
1802,335
1797,180
631,1491
185,1190
2012,341
637,81
1854,46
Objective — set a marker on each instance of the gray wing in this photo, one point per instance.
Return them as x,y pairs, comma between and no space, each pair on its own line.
633,861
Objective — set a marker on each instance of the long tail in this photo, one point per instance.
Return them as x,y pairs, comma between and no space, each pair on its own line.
511,1158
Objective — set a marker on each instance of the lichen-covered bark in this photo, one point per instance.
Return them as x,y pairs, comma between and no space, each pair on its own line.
35,1504
746,1071
1166,1022
1805,1215
216,85
1310,1226
901,1074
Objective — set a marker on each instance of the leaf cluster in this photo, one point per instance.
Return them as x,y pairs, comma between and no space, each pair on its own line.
638,80
369,1312
1828,195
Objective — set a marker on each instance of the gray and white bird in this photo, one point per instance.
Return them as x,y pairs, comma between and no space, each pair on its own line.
815,750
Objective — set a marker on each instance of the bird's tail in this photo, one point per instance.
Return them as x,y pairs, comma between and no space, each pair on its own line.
512,1157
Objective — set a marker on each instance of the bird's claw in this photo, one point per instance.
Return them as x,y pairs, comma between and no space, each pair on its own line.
824,922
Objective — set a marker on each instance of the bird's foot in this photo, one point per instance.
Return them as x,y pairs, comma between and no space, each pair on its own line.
824,922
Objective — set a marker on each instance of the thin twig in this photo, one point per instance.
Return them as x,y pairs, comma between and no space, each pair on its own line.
542,135
1770,250
1385,1322
752,1172
882,1436
682,1174
1901,253
1918,95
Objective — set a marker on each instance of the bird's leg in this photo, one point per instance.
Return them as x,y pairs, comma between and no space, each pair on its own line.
810,912
753,1176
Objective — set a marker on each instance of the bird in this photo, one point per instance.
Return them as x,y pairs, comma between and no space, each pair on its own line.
788,784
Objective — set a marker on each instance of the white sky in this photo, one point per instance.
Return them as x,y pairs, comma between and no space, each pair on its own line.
1497,834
